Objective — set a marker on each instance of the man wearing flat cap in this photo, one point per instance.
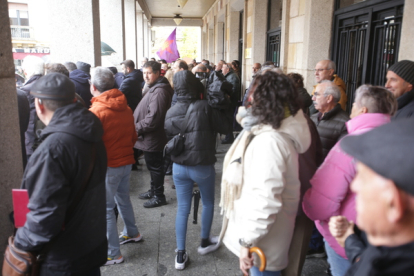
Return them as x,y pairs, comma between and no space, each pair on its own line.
400,81
65,180
384,190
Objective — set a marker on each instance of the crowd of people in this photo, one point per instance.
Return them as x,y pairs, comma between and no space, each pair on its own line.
302,178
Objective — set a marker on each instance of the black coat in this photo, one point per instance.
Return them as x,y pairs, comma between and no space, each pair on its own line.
233,78
132,88
204,122
119,78
81,81
405,106
53,176
24,117
331,127
382,260
30,134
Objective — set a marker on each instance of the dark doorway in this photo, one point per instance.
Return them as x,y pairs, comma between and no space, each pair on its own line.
241,20
274,19
366,42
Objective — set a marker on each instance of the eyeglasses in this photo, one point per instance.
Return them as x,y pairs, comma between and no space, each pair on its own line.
316,94
319,70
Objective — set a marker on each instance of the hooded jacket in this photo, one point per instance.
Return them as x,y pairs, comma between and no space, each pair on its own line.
81,81
149,116
53,177
203,124
131,86
266,211
405,106
30,134
331,127
118,123
330,194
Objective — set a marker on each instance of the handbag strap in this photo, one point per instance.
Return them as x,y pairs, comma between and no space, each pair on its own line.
71,209
187,117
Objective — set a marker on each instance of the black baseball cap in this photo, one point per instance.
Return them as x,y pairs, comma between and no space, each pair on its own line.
388,150
53,86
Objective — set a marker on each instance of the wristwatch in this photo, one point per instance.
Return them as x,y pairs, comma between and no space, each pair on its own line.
245,244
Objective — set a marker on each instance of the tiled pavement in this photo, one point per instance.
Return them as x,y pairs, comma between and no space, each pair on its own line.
154,256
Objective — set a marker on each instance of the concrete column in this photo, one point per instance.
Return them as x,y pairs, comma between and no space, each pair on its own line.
219,42
131,30
316,43
199,46
233,35
407,38
140,33
146,42
112,22
75,35
211,45
259,28
284,45
11,169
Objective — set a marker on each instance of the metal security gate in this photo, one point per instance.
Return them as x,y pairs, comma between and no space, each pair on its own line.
273,47
366,42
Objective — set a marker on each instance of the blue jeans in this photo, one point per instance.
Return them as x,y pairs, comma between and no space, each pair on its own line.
117,191
184,178
254,271
339,265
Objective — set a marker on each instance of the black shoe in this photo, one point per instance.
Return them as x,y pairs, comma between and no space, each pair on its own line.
227,141
155,201
147,195
319,253
168,172
134,167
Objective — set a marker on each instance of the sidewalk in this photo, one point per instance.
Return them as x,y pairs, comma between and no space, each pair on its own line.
155,255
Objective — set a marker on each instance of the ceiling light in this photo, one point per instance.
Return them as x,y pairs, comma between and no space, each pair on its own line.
177,19
182,3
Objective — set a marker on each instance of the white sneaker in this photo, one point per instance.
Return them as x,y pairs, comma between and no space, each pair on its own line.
125,239
214,240
180,259
114,260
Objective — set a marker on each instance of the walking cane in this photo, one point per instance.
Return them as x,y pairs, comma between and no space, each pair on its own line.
196,195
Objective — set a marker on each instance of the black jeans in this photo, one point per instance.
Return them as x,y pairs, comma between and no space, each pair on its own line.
155,164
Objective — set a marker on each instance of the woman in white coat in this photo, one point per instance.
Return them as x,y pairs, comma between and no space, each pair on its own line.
260,185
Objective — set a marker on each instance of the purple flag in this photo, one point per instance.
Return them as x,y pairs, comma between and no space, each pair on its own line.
168,50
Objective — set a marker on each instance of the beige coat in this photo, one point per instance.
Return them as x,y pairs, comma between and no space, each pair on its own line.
266,210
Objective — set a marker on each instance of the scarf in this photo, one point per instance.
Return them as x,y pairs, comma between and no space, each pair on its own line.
233,165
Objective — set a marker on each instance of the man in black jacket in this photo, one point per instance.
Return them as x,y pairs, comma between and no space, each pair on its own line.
330,120
400,81
131,86
384,198
54,177
149,119
234,80
82,86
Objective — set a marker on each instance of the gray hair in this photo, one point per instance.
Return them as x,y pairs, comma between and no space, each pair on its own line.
33,65
70,66
332,89
103,79
376,99
331,65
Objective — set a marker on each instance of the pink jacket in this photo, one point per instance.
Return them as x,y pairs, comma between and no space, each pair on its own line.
330,194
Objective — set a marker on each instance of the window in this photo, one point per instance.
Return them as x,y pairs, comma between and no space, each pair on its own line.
19,18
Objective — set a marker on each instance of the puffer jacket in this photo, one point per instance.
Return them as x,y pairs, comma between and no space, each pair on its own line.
118,123
266,211
131,86
149,116
233,78
30,134
81,81
338,81
331,127
53,177
405,106
330,194
204,122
